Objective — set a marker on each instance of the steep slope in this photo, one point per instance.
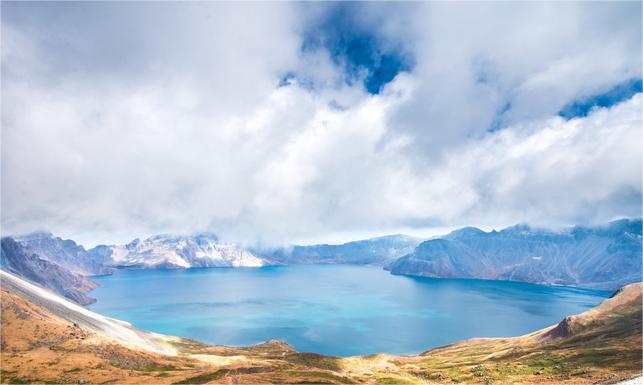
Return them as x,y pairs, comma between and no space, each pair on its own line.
21,261
602,257
65,253
168,251
376,251
47,339
625,300
111,329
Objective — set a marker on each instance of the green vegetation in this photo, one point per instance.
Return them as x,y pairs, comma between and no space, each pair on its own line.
205,378
314,360
158,368
18,380
7,372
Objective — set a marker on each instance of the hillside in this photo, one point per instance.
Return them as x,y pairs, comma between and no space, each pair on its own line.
45,338
604,257
20,260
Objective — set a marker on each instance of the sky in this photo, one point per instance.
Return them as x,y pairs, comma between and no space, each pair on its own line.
317,122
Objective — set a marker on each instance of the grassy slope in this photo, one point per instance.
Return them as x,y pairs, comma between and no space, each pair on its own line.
598,346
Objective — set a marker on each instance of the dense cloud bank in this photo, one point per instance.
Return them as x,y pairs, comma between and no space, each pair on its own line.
122,119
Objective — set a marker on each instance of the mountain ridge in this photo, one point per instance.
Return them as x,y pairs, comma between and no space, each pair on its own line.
179,251
377,251
18,259
602,257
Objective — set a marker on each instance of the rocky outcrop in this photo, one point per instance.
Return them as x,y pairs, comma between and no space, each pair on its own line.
66,253
604,257
565,328
23,262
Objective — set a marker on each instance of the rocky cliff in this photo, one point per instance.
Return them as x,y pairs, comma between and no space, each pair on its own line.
605,257
66,253
20,260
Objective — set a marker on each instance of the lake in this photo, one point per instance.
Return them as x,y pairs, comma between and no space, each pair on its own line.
339,310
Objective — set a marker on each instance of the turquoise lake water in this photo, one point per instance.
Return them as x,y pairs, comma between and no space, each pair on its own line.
332,309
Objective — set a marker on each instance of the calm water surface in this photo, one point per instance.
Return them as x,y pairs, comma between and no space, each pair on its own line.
335,309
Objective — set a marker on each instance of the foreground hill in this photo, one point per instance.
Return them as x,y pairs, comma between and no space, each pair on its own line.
605,257
45,338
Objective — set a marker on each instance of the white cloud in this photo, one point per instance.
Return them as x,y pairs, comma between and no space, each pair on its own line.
476,59
548,172
190,131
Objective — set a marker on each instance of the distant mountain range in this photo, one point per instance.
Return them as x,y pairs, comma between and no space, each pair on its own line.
605,257
376,251
63,266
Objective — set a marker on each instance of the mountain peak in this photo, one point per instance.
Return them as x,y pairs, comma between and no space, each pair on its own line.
466,232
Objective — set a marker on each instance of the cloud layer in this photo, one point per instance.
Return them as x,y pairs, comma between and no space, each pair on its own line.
125,119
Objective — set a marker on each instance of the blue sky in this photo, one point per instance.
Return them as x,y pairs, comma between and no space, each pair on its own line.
618,93
361,54
327,121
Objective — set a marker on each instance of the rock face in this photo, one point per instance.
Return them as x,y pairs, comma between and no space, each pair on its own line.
376,251
20,260
606,257
168,252
66,253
